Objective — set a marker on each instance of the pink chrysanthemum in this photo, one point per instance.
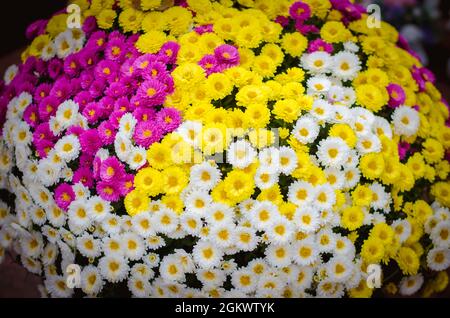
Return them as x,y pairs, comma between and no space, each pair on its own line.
111,169
147,132
64,195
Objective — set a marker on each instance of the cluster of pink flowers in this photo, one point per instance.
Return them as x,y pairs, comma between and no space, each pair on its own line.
106,79
225,56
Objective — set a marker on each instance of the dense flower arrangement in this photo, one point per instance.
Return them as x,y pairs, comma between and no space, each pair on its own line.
224,149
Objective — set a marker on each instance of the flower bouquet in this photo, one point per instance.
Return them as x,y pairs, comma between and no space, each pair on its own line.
224,149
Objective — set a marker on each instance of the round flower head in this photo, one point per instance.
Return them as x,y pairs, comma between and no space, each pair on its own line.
300,11
151,93
227,54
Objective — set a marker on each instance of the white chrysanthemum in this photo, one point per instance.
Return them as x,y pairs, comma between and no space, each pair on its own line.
48,52
49,254
306,218
10,73
280,231
32,244
4,213
56,286
219,213
190,131
127,123
137,158
440,235
113,268
246,238
346,65
38,215
324,197
91,280
142,270
380,198
318,62
171,270
23,101
269,158
332,152
48,173
88,246
382,127
151,259
368,143
133,246
301,277
64,45
211,278
265,178
342,115
223,234
56,216
81,191
78,213
288,160
402,228
165,221
198,201
339,269
411,284
278,255
431,223
191,223
204,176
22,134
241,154
122,147
306,130
406,121
113,245
66,113
23,217
438,258
328,289
98,209
55,126
318,85
361,126
258,266
305,252
206,254
335,95
142,225
139,287
352,176
111,224
155,242
335,178
125,223
325,240
244,280
30,171
269,286
322,111
185,259
344,247
68,147
378,218
50,233
351,46
263,214
301,193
